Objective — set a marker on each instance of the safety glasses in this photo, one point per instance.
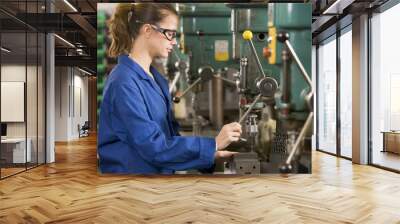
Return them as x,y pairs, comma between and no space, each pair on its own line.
169,34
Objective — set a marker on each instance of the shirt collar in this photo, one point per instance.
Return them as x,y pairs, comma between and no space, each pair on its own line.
132,64
158,78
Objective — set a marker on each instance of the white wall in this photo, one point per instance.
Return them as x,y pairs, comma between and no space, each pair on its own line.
71,94
61,103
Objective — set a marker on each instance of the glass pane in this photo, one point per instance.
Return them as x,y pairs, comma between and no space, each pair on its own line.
41,99
346,94
13,87
327,96
314,82
385,89
31,101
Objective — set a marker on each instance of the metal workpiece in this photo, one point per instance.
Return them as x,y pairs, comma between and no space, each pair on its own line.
243,163
287,167
251,124
252,131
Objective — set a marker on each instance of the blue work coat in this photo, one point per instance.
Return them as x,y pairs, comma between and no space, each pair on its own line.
137,131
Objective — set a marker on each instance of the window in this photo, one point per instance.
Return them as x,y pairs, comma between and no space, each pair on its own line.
22,80
326,94
346,92
385,88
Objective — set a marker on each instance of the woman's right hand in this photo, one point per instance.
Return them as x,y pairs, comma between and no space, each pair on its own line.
228,134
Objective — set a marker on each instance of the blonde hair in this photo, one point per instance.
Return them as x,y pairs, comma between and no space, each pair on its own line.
127,20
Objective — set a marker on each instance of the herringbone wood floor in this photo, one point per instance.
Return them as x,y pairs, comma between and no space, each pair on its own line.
71,191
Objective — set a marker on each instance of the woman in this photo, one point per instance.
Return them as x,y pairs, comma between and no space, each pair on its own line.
137,131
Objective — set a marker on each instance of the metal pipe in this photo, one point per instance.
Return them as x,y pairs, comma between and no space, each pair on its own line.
256,56
17,19
285,77
217,101
250,108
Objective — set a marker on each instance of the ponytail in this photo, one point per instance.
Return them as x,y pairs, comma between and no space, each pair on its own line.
121,41
124,28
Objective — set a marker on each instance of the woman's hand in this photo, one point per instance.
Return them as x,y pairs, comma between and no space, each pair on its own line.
224,154
228,134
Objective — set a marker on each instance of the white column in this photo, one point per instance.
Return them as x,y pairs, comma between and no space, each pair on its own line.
360,90
50,93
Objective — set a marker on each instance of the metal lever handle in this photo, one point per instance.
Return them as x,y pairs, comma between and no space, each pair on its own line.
250,108
284,37
174,81
177,99
299,64
248,35
287,167
225,80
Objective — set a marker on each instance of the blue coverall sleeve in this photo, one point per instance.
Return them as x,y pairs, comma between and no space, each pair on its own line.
131,122
176,126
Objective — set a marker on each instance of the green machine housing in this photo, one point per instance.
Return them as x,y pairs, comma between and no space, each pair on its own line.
265,21
211,34
205,37
294,19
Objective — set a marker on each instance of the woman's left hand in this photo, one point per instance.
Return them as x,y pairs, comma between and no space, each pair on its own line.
224,154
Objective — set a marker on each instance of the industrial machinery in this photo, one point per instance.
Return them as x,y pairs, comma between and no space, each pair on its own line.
289,103
203,66
262,52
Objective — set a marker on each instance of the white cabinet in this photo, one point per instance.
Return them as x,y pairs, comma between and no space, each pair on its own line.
17,145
